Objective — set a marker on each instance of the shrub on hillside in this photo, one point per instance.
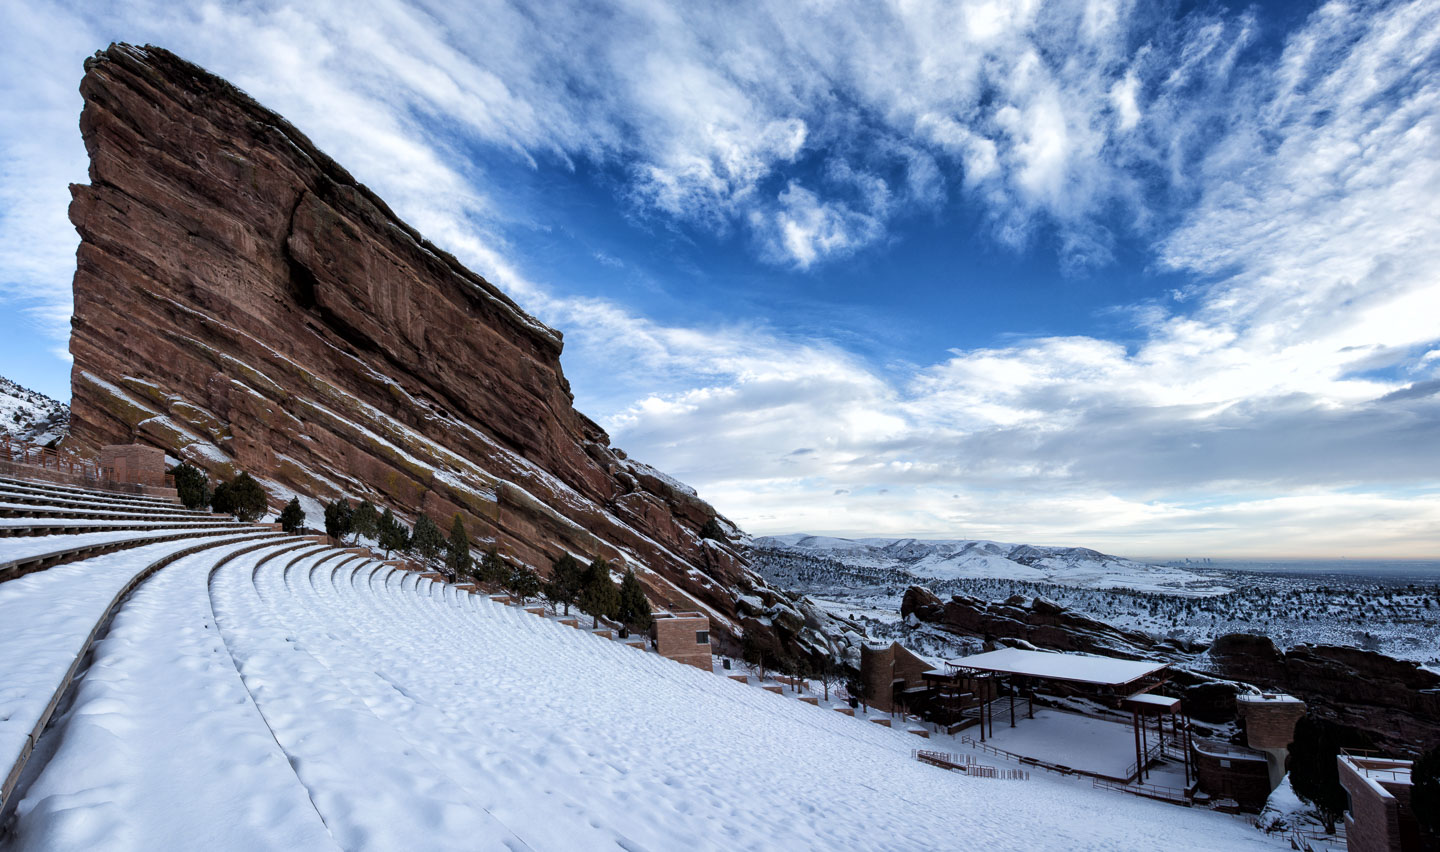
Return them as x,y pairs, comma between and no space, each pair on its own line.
1314,774
246,498
760,650
492,568
713,530
523,583
241,497
634,609
193,485
365,522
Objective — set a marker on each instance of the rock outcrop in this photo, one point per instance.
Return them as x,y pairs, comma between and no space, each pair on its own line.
1393,703
244,303
1039,622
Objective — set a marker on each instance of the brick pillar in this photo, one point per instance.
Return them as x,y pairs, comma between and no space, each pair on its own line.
1270,726
877,672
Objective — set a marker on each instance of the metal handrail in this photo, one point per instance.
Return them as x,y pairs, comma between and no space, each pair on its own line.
1360,758
1151,753
1046,765
1150,791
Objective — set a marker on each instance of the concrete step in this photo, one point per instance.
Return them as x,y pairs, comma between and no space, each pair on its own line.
32,498
38,510
89,493
41,527
62,554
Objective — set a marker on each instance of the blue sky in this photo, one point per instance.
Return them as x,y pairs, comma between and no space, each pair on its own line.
1156,278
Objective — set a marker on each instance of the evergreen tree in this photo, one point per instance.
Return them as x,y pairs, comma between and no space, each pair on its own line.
365,522
293,518
339,518
193,485
713,530
598,594
221,503
634,606
563,587
393,535
457,549
248,500
1313,772
524,583
493,568
1425,795
426,541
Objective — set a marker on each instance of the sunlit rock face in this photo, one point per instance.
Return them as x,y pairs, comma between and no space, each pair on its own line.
243,302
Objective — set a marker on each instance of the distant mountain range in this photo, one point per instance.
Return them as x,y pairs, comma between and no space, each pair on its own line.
30,415
978,558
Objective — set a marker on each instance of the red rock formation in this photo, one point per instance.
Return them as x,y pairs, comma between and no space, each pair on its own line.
243,302
1394,703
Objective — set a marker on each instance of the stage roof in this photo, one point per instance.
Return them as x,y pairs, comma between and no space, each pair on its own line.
1048,665
1150,702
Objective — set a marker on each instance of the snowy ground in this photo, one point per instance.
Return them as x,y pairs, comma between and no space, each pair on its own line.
313,701
1069,739
45,618
30,415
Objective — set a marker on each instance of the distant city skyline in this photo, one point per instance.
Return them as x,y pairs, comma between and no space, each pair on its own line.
1156,279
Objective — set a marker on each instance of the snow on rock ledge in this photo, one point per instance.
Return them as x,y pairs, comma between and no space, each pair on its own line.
242,301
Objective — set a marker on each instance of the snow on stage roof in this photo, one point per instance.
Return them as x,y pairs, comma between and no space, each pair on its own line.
1079,668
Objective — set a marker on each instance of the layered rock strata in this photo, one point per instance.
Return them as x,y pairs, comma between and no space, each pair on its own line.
243,302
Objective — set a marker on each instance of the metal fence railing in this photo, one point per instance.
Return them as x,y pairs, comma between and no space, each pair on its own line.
1174,795
1373,765
965,763
82,470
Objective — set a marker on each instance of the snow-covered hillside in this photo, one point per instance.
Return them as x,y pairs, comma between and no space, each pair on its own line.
310,699
969,558
29,415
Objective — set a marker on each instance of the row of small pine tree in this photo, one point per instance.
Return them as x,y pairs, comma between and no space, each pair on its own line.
594,591
591,588
425,542
241,497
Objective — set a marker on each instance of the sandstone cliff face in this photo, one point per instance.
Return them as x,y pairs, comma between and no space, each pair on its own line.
243,302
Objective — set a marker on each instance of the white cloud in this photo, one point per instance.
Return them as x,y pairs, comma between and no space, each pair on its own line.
1262,412
802,228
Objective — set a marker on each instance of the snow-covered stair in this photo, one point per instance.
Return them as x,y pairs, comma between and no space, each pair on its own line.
61,524
48,620
302,697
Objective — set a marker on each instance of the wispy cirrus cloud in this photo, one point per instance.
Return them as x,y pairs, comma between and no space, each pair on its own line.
1287,386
